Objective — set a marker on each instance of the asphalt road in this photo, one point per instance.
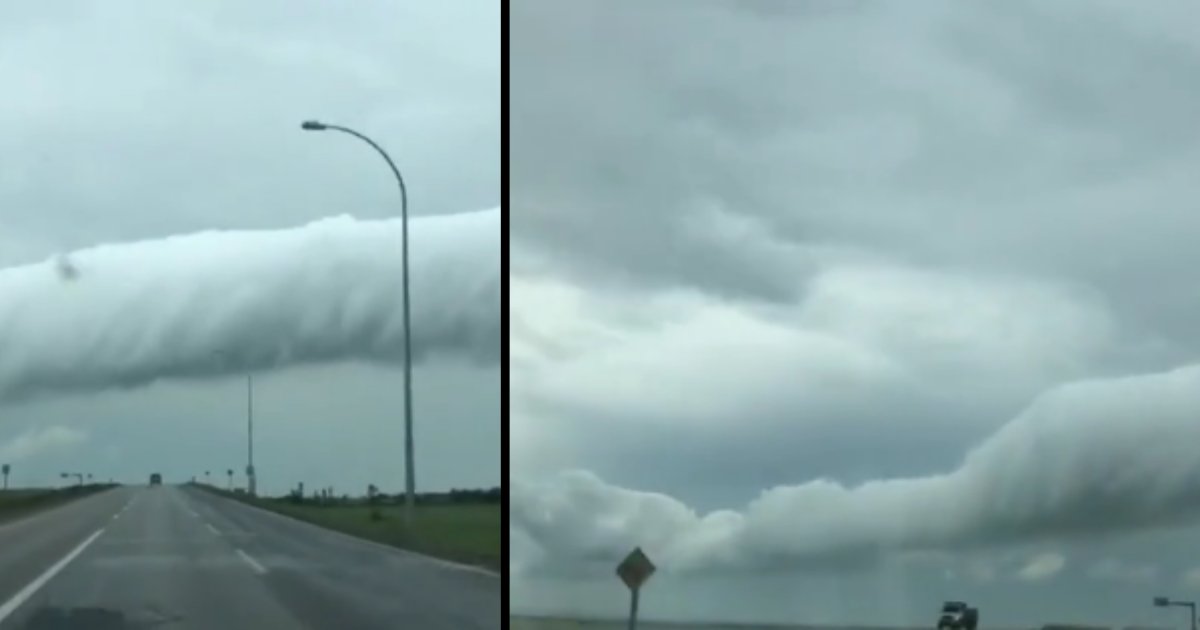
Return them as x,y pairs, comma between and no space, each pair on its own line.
178,557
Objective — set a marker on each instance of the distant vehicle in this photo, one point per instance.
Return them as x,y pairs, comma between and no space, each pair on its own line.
958,616
155,479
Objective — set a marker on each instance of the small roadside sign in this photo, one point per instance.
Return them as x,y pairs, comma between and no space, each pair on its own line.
634,570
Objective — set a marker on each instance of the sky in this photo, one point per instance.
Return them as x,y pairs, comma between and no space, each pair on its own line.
840,310
166,229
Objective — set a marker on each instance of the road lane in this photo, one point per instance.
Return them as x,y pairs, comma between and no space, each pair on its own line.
377,584
185,558
31,545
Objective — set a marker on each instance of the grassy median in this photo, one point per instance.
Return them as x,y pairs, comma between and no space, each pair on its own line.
20,502
463,532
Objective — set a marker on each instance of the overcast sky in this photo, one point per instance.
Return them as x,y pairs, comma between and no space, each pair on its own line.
139,121
843,309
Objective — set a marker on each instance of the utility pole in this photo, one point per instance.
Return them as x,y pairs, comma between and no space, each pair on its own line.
251,476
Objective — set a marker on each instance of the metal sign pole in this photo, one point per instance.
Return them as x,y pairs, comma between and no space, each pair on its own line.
634,570
633,606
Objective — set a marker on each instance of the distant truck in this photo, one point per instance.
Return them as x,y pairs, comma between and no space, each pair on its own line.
155,479
958,616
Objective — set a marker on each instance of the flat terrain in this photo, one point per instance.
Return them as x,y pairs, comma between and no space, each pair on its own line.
20,502
468,533
556,623
550,623
181,557
519,622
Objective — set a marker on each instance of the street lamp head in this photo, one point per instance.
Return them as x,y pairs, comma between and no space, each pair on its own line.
1162,601
312,125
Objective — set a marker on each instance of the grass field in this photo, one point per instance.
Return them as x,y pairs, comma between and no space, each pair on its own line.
468,533
520,622
559,623
530,622
20,502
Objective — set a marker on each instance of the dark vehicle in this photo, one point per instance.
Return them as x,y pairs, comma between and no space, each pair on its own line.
155,479
958,616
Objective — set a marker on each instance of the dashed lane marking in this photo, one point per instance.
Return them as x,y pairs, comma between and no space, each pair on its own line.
258,568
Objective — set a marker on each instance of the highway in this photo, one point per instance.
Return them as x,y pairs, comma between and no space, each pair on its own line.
180,557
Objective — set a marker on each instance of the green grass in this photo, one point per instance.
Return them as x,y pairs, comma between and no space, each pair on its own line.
467,533
20,502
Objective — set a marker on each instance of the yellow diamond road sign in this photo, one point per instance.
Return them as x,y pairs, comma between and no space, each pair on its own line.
635,569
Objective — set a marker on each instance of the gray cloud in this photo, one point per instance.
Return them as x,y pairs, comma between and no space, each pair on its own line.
817,286
946,134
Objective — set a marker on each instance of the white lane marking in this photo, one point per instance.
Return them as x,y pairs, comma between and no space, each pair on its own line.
258,568
213,529
115,516
24,594
194,513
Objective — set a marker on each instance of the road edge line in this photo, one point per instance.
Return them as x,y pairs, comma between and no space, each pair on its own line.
23,595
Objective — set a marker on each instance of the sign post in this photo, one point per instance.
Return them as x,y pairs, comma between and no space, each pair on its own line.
634,570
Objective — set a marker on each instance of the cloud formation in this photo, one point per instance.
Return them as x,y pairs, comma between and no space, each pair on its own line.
1042,566
866,336
894,265
228,301
38,441
1085,458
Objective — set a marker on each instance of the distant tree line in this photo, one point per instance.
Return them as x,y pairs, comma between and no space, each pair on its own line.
373,496
468,495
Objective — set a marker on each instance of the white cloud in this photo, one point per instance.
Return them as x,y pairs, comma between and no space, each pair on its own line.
863,330
688,362
137,312
1042,566
1088,456
40,441
958,324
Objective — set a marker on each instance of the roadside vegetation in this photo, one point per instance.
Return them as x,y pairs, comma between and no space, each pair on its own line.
19,502
461,525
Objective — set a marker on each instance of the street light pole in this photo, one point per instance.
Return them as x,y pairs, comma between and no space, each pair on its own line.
251,475
1163,602
409,467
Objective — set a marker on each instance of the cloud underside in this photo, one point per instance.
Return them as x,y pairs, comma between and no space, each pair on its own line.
1085,458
